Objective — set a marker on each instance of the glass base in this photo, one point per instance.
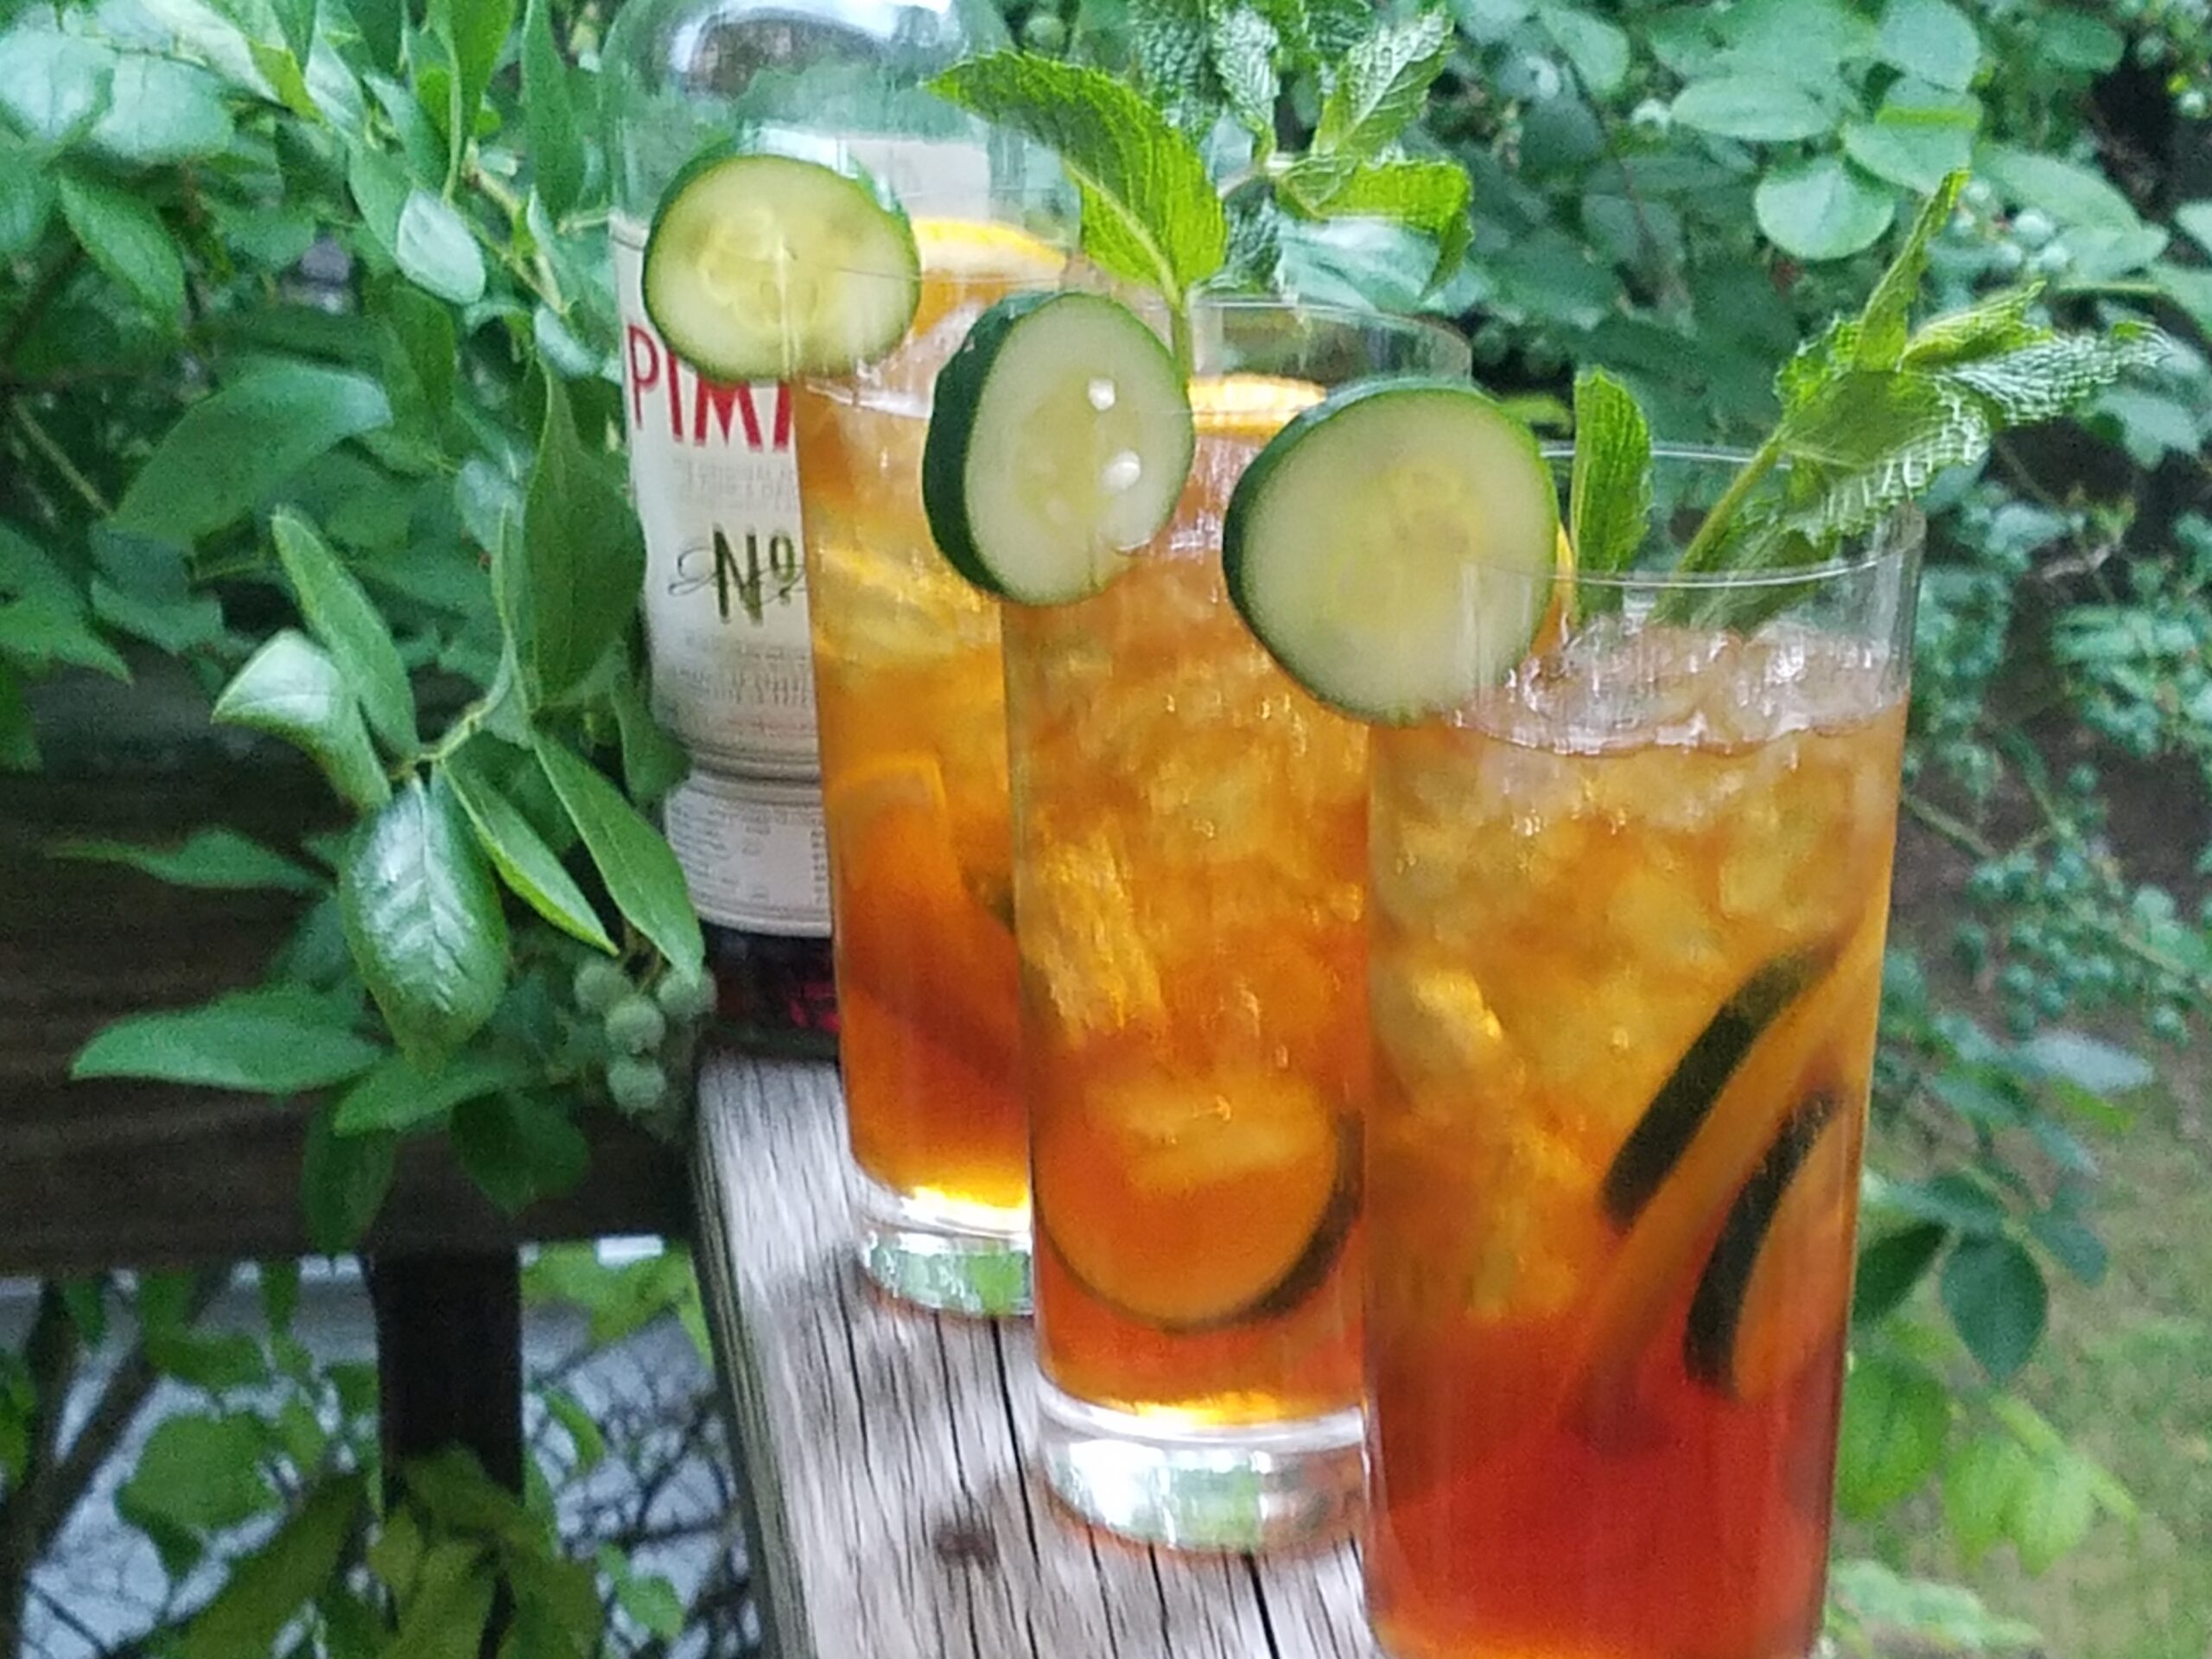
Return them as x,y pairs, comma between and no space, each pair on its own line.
1250,1487
964,1259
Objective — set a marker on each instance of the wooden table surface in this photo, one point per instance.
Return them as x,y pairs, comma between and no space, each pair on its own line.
898,1514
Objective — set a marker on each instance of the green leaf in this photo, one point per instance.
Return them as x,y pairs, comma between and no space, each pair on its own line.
351,628
1243,47
1174,62
2196,218
1149,211
220,859
445,1617
568,586
1610,495
1997,1298
1947,1616
519,853
2102,1068
280,1291
198,1472
586,1442
1885,322
1931,38
1988,329
473,31
1919,136
343,1181
1430,196
263,1592
211,1360
289,688
277,1041
520,1148
26,198
435,249
228,451
2073,1244
162,110
2054,376
556,147
1897,1417
43,614
2078,40
1823,209
652,762
18,734
1878,440
1758,108
1891,1266
399,1097
1382,86
1984,1483
2070,193
1804,39
651,1600
53,85
641,873
127,239
2189,287
2054,1512
423,917
1598,50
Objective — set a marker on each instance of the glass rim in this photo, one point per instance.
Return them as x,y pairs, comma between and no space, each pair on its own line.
1899,535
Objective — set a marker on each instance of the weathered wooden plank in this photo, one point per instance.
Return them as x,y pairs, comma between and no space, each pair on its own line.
898,1513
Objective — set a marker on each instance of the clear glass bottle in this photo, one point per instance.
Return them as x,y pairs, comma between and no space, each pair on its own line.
714,469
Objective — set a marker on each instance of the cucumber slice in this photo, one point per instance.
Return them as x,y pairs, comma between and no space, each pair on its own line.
760,267
1059,444
1394,547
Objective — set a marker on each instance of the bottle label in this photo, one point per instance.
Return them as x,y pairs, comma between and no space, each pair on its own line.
715,475
754,851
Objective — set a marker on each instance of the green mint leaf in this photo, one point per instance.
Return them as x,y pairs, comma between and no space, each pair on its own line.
1149,211
1998,324
351,629
1174,62
1430,196
1885,324
290,688
1609,503
2047,378
641,873
423,918
1870,442
519,853
1244,43
1332,28
216,860
274,1041
1381,85
1254,259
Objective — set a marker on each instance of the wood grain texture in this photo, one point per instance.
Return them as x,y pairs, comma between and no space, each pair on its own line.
897,1514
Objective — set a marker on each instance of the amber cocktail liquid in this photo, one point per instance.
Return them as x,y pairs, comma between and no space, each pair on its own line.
1629,916
909,694
1190,834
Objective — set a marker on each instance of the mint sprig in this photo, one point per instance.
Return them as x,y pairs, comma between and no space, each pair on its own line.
1150,213
1609,499
1874,410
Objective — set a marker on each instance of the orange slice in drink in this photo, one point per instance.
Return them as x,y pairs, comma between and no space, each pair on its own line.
1254,406
959,255
1192,1205
908,930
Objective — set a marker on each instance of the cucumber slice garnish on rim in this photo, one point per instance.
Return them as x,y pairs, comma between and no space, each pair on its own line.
1394,547
760,266
1059,440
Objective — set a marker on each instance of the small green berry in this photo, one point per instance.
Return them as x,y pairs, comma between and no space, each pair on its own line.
2031,229
1045,34
635,1085
635,1026
685,997
599,986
